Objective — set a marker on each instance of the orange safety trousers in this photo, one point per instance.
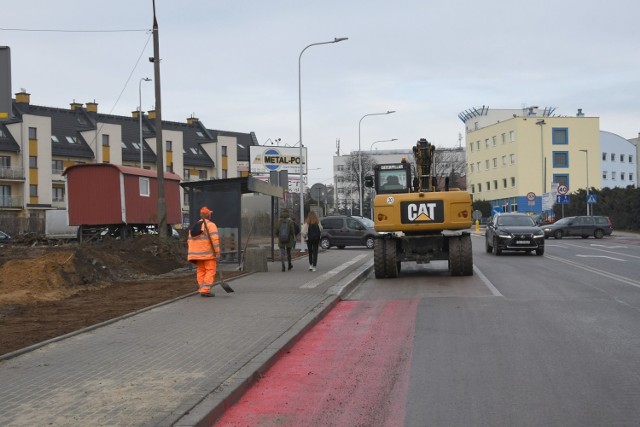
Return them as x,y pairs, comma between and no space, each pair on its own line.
205,275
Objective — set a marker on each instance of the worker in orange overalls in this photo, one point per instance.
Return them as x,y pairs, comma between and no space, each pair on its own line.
204,250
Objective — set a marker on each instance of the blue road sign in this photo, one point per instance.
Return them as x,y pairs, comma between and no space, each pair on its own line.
562,199
592,199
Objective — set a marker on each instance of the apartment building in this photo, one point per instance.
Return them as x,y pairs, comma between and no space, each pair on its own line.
513,154
37,143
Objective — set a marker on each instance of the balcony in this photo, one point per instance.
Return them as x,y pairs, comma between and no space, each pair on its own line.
10,173
14,202
56,175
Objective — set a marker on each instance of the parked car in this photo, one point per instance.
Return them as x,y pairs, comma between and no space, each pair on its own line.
4,237
513,232
583,226
342,230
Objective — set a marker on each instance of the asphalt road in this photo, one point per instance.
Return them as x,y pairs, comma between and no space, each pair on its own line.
528,340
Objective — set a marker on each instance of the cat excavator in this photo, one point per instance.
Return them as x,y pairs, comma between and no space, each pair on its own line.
417,221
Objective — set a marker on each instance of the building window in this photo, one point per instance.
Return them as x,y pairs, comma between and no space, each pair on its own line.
560,136
488,185
513,181
473,188
471,147
604,174
54,139
170,167
58,194
471,167
478,145
33,133
504,182
5,162
486,143
144,186
621,158
478,166
72,139
495,184
105,140
223,150
613,157
340,168
561,179
630,177
185,199
33,190
560,159
33,162
504,138
613,176
169,146
202,174
186,174
621,176
57,167
512,136
495,162
630,158
604,157
504,160
224,174
513,159
486,164
494,139
5,195
479,188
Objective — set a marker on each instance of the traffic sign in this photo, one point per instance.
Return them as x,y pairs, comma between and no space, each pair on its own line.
531,196
562,199
563,189
592,199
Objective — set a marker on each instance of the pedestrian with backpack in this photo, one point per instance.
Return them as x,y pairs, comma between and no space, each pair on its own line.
286,235
311,232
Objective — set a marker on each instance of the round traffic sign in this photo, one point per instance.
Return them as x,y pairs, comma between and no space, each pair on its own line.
563,189
531,196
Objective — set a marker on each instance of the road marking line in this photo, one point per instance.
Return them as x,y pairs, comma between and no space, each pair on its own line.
487,282
321,279
596,271
600,256
603,250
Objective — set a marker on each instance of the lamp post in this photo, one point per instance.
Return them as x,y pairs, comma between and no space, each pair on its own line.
143,79
541,123
360,189
587,158
335,40
384,140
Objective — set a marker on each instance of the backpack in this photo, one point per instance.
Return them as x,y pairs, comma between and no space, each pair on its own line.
313,234
284,231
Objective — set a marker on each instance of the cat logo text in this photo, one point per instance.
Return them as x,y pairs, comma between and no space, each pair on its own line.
422,212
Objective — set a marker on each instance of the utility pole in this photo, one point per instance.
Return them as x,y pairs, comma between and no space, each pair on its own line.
162,208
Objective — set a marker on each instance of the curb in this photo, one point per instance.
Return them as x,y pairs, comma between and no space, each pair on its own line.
211,407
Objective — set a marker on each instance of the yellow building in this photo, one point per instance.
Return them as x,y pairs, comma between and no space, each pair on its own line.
517,158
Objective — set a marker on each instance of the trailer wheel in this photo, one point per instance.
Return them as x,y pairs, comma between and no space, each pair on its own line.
391,264
467,255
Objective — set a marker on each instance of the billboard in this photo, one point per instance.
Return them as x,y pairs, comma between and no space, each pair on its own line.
5,82
266,159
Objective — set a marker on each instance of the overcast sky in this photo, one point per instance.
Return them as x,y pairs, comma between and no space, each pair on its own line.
234,64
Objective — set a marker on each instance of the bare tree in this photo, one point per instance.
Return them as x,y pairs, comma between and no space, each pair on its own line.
450,162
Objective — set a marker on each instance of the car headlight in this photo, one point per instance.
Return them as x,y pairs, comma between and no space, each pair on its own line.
538,234
505,235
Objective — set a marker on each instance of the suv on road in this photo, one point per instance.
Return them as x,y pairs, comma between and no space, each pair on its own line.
342,230
583,226
514,232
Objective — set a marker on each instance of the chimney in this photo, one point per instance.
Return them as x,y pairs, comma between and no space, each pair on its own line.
75,105
23,97
192,120
152,114
92,107
580,113
135,114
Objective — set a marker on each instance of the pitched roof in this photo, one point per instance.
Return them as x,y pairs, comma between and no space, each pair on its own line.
7,142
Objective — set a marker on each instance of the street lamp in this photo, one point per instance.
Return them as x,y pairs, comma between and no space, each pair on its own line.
335,40
384,140
587,156
541,123
143,79
360,189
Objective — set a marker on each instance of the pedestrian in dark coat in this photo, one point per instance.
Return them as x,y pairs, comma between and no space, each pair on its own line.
285,247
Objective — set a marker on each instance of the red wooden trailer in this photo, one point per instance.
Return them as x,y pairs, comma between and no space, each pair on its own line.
118,200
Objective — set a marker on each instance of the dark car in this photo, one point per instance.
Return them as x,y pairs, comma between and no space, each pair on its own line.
583,226
4,237
514,232
342,230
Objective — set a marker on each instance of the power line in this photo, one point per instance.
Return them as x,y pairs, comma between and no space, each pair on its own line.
71,31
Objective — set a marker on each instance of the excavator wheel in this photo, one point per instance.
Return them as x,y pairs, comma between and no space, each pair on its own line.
460,256
384,259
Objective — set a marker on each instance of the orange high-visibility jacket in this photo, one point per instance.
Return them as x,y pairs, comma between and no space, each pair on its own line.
199,247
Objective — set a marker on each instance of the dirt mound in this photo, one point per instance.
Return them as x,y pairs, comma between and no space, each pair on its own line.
29,274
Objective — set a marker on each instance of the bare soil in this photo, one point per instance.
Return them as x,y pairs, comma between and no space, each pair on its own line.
48,291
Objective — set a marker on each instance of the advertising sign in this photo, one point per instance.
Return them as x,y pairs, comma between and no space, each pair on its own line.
266,159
